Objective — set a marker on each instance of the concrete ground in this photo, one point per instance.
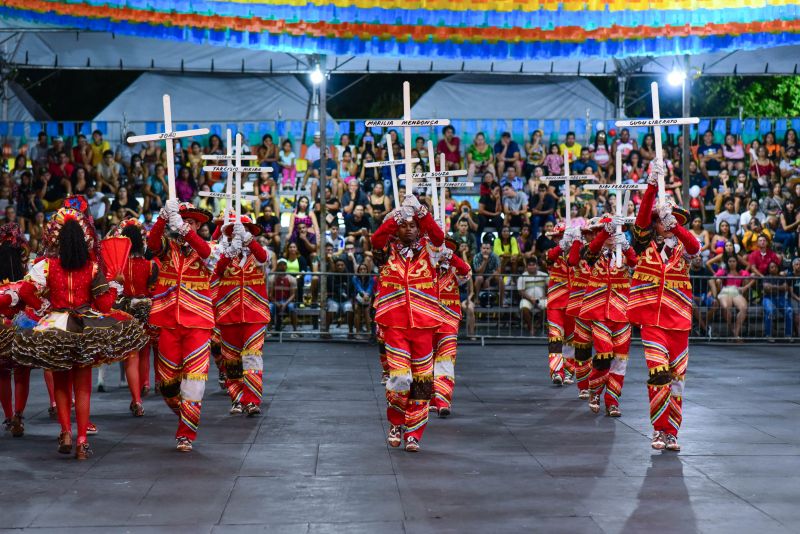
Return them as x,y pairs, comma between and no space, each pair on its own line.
518,455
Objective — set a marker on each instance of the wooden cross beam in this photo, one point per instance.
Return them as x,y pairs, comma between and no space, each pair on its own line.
168,135
567,179
229,161
657,122
391,163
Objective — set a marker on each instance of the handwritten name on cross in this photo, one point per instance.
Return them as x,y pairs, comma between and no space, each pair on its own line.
567,179
168,136
229,161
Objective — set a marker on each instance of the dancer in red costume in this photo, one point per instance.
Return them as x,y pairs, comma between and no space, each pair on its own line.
409,314
242,314
14,251
80,331
605,308
661,305
183,312
559,324
581,339
137,278
450,267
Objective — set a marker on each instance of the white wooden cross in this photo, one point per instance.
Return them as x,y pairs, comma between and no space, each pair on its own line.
391,163
236,171
618,187
407,123
229,161
169,137
657,122
567,179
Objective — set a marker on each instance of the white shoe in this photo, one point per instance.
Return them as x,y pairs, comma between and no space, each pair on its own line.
583,394
236,408
658,442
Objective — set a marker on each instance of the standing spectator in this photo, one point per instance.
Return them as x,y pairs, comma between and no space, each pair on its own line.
507,154
553,161
490,210
515,204
480,157
38,153
569,146
364,291
535,152
532,289
99,147
733,293
450,146
760,259
506,248
776,296
787,233
155,190
485,268
283,292
542,208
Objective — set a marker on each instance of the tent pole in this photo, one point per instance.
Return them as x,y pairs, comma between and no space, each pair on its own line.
323,184
622,81
686,146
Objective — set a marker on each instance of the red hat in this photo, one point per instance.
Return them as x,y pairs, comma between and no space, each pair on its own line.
246,222
680,213
188,211
558,229
449,243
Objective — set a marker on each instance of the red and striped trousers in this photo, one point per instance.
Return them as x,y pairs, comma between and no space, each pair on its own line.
612,341
667,355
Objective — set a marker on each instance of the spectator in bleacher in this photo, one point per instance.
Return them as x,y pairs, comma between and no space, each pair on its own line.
306,241
485,269
270,226
623,143
61,168
311,180
36,231
632,169
29,205
185,186
357,225
515,206
507,154
709,154
99,207
379,205
369,176
462,234
108,173
215,146
773,204
126,151
543,241
753,212
733,152
787,234
601,154
313,151
339,297
266,188
6,199
584,164
155,190
353,197
450,146
506,248
571,147
490,210
728,250
52,191
344,146
795,195
268,157
286,164
790,141
790,164
334,239
734,292
38,153
760,258
763,167
704,294
648,150
772,147
794,292
532,290
332,206
730,216
364,291
99,147
302,214
125,202
553,161
20,167
535,152
282,295
776,297
82,153
347,166
752,233
53,153
367,143
136,175
480,157
702,236
151,156
526,243
512,178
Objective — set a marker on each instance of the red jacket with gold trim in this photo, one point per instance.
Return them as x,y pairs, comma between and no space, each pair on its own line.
240,291
558,285
579,278
606,295
661,292
408,288
449,296
182,292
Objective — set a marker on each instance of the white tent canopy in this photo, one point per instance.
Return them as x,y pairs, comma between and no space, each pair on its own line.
18,106
39,46
210,98
508,97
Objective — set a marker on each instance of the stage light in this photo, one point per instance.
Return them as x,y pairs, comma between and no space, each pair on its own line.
316,75
676,77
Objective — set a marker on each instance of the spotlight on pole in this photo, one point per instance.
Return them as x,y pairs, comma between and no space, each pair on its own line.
316,75
676,77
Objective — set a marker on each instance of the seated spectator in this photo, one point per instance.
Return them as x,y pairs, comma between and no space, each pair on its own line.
311,179
512,178
287,163
379,205
108,173
728,250
99,207
703,237
543,241
704,294
82,153
490,210
305,240
584,164
282,295
357,226
532,289
763,167
353,197
709,154
450,146
126,203
553,162
36,231
751,235
753,212
185,186
61,168
790,164
352,259
463,235
535,152
506,152
485,269
722,187
99,147
480,157
364,291
303,214
52,191
269,155
506,248
776,297
733,152
632,169
569,146
729,216
38,153
340,296
787,234
270,226
334,239
773,204
623,143
526,243
734,292
155,190
136,175
80,180
648,150
332,208
347,166
542,208
771,146
760,258
369,177
601,154
515,206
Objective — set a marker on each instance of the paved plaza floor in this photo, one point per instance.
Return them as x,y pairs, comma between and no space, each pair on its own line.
517,455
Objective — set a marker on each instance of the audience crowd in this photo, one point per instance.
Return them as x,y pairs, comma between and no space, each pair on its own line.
744,201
